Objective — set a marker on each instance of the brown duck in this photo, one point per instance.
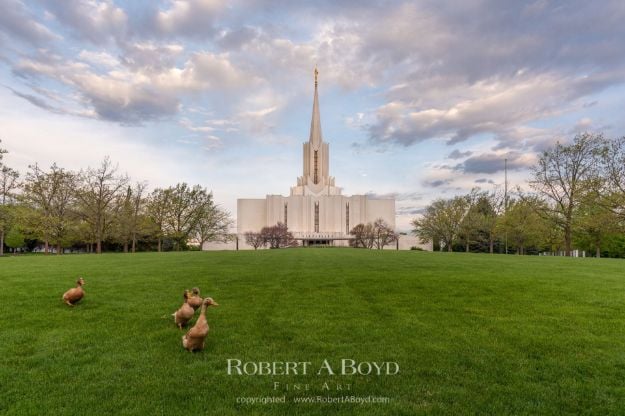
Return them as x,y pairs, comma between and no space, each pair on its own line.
193,340
195,300
72,296
184,314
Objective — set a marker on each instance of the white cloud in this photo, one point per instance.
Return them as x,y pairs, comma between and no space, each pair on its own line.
189,17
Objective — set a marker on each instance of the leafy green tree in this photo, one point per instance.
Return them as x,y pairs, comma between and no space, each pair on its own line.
563,175
594,222
51,195
158,208
185,209
441,221
15,239
213,225
524,224
8,184
613,190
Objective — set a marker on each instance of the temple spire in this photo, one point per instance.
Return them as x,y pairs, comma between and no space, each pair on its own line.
315,125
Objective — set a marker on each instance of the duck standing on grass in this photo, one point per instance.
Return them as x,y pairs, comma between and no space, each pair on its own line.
184,314
72,296
195,300
193,340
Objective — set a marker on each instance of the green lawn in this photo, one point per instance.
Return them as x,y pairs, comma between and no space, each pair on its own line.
473,334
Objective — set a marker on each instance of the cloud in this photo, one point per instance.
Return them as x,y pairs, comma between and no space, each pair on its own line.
494,162
17,21
457,154
97,21
492,106
134,95
189,17
436,183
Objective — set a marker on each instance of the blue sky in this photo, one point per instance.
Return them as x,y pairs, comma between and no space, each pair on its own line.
418,99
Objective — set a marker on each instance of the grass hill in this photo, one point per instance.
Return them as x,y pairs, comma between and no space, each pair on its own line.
472,334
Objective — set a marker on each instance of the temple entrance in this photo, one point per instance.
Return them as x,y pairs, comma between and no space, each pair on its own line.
317,243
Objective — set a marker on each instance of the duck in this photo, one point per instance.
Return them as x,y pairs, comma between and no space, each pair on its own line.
184,314
193,340
72,296
195,300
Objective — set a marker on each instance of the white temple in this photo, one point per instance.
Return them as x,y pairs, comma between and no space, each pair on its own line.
315,212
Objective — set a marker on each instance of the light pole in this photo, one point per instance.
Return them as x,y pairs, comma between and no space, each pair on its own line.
505,200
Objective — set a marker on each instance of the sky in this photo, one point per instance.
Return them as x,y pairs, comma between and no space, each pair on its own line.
419,100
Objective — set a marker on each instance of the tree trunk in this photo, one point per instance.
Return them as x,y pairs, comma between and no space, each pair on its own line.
134,243
598,251
2,243
58,249
567,240
449,248
45,247
125,246
491,246
467,247
98,247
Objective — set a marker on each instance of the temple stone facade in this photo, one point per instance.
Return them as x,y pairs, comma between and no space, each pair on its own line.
315,212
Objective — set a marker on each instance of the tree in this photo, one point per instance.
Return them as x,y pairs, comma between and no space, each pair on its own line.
15,239
563,175
614,169
524,225
441,221
484,214
363,236
8,183
129,210
157,210
213,225
97,193
594,222
255,240
185,209
472,221
50,195
383,234
278,236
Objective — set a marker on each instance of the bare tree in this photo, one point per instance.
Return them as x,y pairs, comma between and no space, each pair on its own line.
383,234
278,236
363,236
564,174
97,193
255,240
